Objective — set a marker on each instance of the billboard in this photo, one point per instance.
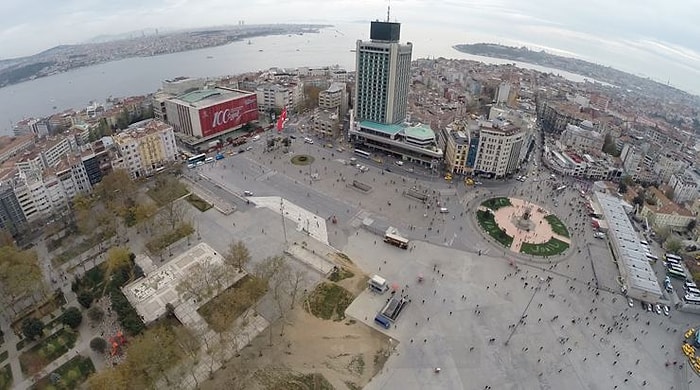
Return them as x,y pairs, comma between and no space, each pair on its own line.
227,115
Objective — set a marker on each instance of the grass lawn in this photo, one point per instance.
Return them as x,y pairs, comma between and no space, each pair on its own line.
5,377
40,355
158,243
549,248
82,247
496,203
339,274
69,376
488,223
328,301
166,189
232,302
46,308
557,225
199,203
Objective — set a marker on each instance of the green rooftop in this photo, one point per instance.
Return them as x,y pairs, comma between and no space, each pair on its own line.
419,132
199,95
386,129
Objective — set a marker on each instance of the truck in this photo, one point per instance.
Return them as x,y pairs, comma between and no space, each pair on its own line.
377,284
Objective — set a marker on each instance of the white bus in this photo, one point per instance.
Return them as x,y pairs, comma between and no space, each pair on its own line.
362,153
674,257
652,258
694,299
676,274
671,262
396,240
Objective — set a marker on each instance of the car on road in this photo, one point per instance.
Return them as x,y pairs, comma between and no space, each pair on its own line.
667,310
399,162
363,168
249,148
308,140
292,136
241,150
600,235
658,308
247,193
630,302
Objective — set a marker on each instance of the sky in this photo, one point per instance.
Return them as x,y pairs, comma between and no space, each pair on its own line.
656,39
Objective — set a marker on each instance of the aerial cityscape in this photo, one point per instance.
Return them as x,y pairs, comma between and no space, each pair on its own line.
404,223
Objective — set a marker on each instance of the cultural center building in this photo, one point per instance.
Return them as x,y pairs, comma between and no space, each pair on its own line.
210,114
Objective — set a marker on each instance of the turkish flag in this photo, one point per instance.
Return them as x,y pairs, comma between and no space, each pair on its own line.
281,119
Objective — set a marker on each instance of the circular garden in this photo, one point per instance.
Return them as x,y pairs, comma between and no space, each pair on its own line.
523,227
302,159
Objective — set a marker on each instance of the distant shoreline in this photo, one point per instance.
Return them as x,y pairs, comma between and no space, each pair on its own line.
595,72
53,61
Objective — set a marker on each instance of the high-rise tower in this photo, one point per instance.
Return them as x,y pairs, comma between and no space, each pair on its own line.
383,75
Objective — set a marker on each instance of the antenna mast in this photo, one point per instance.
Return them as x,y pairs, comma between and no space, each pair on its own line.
388,9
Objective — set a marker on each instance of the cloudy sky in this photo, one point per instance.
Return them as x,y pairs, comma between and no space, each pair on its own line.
651,38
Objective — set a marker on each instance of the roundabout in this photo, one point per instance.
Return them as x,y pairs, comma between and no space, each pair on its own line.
523,227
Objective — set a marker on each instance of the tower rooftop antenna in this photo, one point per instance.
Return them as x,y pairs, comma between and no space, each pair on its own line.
388,10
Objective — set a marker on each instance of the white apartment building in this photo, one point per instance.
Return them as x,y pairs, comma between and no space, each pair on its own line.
685,188
502,147
668,164
275,97
587,141
335,96
144,147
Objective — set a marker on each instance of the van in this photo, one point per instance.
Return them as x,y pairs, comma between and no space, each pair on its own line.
444,210
257,137
209,160
377,284
308,140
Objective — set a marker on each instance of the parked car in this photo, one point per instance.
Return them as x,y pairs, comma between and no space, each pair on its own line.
247,193
667,310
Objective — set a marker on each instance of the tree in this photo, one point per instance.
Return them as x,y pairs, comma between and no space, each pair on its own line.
153,353
98,344
32,328
622,188
85,298
691,225
609,146
172,214
237,255
296,279
95,314
20,274
115,189
662,234
673,245
72,317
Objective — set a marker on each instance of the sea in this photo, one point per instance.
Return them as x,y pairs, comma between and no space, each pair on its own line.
334,45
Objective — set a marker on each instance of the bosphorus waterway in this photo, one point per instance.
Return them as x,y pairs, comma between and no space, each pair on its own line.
143,75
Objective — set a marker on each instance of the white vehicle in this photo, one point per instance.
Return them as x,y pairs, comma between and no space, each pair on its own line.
209,160
630,302
247,193
257,137
688,283
694,299
377,284
308,140
694,291
667,311
600,235
399,162
444,210
658,308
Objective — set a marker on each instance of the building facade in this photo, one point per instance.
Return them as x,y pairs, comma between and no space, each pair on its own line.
273,97
145,148
684,187
502,148
587,141
383,73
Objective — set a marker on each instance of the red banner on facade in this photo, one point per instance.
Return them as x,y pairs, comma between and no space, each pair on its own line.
227,115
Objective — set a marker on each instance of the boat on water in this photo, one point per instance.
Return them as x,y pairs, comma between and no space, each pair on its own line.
210,57
249,42
260,50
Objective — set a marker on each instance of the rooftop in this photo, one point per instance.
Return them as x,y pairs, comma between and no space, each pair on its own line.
639,273
208,97
420,131
380,127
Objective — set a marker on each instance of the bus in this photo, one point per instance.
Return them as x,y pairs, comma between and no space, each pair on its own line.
675,274
652,258
562,188
362,153
195,160
396,240
674,257
694,299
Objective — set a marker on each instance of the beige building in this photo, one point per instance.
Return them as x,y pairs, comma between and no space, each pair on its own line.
588,141
336,96
455,140
275,97
144,147
665,213
327,122
685,188
502,147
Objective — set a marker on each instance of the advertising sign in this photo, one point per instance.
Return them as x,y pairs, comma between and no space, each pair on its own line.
227,115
